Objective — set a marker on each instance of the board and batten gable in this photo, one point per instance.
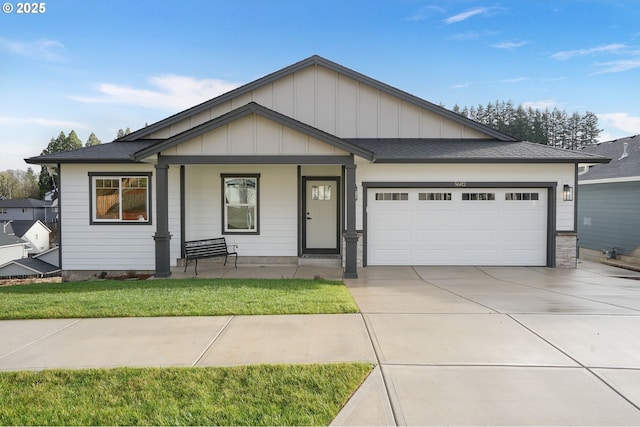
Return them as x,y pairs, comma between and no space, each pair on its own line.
336,104
253,135
105,247
563,173
277,200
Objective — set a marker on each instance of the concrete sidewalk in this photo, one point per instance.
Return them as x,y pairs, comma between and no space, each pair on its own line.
454,346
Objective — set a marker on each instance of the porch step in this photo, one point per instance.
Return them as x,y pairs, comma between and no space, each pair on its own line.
321,260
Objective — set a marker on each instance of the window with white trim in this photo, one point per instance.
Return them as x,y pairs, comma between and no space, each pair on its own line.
120,198
240,204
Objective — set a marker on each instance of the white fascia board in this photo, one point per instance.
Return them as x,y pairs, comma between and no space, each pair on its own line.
610,180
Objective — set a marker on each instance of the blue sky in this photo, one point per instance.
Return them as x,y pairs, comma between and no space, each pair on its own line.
101,65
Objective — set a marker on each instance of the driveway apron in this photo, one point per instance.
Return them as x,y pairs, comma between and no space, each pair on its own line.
500,346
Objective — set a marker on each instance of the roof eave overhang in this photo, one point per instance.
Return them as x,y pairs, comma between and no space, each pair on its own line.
481,160
35,161
248,109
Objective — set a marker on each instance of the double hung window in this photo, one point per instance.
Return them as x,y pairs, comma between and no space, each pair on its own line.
240,204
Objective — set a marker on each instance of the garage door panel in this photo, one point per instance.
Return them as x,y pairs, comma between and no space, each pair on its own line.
491,227
386,237
390,257
518,256
435,239
476,257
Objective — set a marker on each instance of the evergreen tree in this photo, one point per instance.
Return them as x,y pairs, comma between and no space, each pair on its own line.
122,133
92,140
555,128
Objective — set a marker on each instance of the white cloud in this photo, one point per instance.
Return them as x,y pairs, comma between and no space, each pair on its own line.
40,121
618,66
425,13
515,80
623,121
169,92
468,14
48,50
568,54
509,45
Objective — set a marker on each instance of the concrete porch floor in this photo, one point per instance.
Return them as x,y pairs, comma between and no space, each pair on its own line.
311,269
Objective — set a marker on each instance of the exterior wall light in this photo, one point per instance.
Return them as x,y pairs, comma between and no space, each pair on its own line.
567,193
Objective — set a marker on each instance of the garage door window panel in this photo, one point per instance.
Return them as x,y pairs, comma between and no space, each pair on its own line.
479,196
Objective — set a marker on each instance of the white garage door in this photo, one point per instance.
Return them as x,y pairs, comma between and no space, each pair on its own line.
457,226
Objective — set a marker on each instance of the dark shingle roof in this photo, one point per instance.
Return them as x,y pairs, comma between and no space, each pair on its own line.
7,235
469,150
35,265
621,166
111,152
24,203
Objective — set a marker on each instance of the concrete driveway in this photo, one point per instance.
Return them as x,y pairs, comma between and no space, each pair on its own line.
499,346
452,345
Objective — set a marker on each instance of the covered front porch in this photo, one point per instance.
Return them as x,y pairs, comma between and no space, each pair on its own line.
290,211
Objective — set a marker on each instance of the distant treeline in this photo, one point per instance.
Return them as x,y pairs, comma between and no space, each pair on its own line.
555,128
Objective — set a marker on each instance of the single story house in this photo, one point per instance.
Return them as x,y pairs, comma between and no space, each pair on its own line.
11,246
33,232
609,203
28,267
317,160
27,210
51,256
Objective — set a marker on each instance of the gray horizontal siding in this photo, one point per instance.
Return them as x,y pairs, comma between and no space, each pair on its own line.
613,211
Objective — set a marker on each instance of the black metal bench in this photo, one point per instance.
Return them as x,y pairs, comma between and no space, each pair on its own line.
208,248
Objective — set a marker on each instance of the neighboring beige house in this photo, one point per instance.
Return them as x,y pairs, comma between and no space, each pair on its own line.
317,160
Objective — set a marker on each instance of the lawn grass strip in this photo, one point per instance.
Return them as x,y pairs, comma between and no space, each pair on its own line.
244,395
175,297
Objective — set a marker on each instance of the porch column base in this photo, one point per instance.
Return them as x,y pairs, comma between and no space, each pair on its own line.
163,262
351,252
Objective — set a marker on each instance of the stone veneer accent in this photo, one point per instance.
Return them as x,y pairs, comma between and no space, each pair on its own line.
566,253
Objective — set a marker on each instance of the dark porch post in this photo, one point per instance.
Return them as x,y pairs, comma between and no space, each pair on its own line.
351,235
162,236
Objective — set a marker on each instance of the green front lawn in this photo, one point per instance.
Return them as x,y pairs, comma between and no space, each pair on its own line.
247,395
175,297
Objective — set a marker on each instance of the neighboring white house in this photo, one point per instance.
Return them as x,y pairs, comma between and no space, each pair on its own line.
33,232
317,160
11,246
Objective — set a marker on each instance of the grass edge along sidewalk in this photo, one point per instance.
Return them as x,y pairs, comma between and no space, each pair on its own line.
175,297
243,395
